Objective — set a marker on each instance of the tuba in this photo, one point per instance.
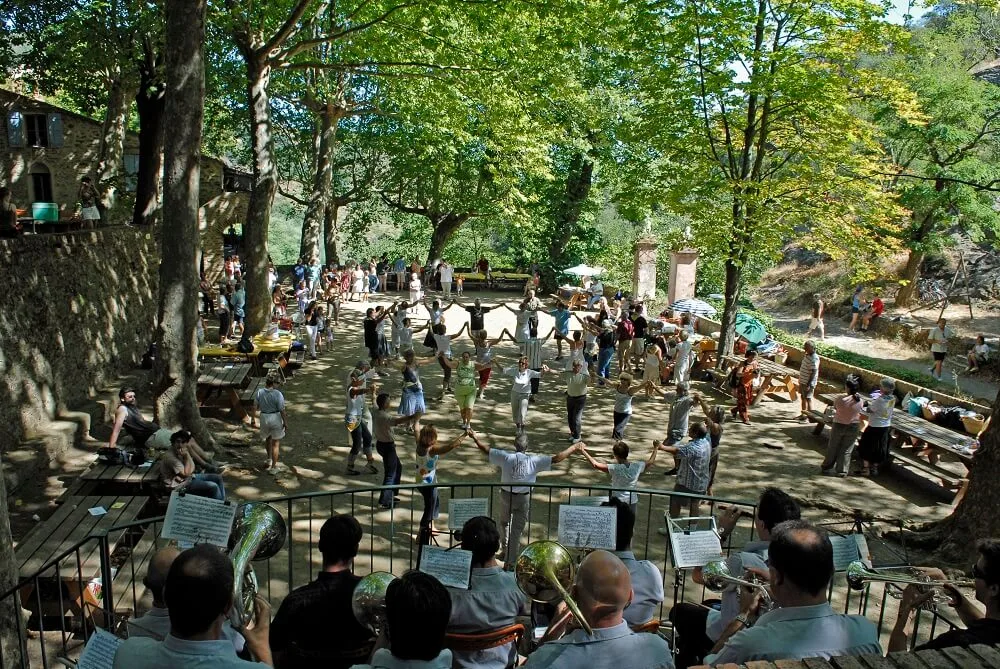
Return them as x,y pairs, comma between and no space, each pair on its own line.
717,576
545,572
368,600
258,534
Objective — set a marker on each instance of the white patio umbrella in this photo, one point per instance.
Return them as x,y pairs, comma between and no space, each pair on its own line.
584,270
695,306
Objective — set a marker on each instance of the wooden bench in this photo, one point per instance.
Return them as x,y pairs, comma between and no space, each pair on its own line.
247,393
977,656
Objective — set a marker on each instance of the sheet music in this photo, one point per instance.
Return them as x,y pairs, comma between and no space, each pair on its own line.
845,550
99,652
461,510
587,526
198,520
693,548
452,567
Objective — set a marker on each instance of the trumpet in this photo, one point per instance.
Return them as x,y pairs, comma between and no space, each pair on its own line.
368,600
717,576
545,572
859,575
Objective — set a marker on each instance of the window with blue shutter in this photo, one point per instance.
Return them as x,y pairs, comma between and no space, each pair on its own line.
55,130
15,130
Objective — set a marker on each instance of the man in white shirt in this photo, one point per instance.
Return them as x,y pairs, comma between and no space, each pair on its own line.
938,339
596,293
492,601
647,581
577,384
199,592
800,565
447,274
517,470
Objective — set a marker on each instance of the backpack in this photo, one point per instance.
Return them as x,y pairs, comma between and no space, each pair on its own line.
245,345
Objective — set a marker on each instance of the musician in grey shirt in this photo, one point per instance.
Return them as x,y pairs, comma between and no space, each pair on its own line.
493,600
602,591
647,581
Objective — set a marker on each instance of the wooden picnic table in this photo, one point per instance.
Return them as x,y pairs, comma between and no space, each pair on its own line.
775,377
225,377
261,345
107,479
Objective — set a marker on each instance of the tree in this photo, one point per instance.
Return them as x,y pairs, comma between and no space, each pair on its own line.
149,102
176,385
753,119
12,637
944,159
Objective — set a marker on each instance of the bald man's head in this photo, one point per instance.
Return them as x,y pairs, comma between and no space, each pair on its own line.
603,589
159,567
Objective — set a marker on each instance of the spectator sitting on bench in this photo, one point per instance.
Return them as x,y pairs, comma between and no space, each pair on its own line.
155,623
145,432
177,470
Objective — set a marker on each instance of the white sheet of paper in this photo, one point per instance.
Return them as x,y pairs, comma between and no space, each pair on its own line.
694,549
452,567
845,550
461,510
588,501
198,520
98,511
99,653
587,526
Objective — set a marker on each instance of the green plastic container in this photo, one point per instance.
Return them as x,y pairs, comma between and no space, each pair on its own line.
45,211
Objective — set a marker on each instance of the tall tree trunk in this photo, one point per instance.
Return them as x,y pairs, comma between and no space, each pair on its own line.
176,401
265,185
908,279
975,516
112,147
331,226
149,103
579,179
734,278
12,633
444,228
312,226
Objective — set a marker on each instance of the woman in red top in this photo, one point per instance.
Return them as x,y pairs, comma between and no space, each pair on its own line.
875,309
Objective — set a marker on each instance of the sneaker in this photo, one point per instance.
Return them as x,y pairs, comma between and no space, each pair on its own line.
371,468
577,440
571,439
351,471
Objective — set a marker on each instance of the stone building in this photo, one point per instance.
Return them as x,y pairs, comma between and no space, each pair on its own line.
45,151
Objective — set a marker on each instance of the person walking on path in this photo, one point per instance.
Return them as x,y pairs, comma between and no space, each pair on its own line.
520,389
517,470
808,379
816,322
873,447
938,339
465,384
743,377
578,382
844,430
270,403
624,474
383,423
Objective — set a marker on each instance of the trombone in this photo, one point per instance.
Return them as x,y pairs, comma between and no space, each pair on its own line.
716,576
859,575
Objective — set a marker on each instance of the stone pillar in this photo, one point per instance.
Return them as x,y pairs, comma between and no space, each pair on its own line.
644,268
683,267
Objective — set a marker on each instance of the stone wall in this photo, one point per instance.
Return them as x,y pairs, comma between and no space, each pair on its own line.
78,310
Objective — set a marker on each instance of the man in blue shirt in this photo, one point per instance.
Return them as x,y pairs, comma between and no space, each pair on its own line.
199,593
399,269
800,565
561,315
693,474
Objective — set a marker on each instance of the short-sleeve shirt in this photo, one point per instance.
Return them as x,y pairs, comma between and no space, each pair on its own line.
985,631
561,317
382,422
647,588
269,400
172,467
809,371
626,476
577,384
492,601
477,317
693,468
522,380
677,428
608,648
447,274
939,340
519,468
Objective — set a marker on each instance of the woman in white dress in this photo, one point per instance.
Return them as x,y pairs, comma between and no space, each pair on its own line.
357,281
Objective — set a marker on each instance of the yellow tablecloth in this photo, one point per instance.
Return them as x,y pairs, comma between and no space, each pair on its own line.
260,345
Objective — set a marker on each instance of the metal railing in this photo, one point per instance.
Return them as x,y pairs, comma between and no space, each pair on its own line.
66,603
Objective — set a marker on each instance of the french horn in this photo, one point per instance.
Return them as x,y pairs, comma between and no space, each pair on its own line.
368,600
544,572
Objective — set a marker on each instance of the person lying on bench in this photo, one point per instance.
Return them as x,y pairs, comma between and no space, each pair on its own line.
177,470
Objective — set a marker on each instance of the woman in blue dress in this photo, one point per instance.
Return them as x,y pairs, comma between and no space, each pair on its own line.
412,400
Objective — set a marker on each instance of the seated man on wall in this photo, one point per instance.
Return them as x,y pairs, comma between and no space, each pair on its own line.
493,600
800,566
980,627
199,594
300,632
647,581
155,623
417,609
602,590
146,433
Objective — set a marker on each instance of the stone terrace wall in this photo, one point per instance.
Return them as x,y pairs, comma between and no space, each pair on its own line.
76,310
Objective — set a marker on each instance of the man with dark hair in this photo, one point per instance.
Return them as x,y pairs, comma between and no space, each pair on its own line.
300,632
699,627
492,600
980,627
417,608
800,565
145,432
199,594
647,581
602,591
